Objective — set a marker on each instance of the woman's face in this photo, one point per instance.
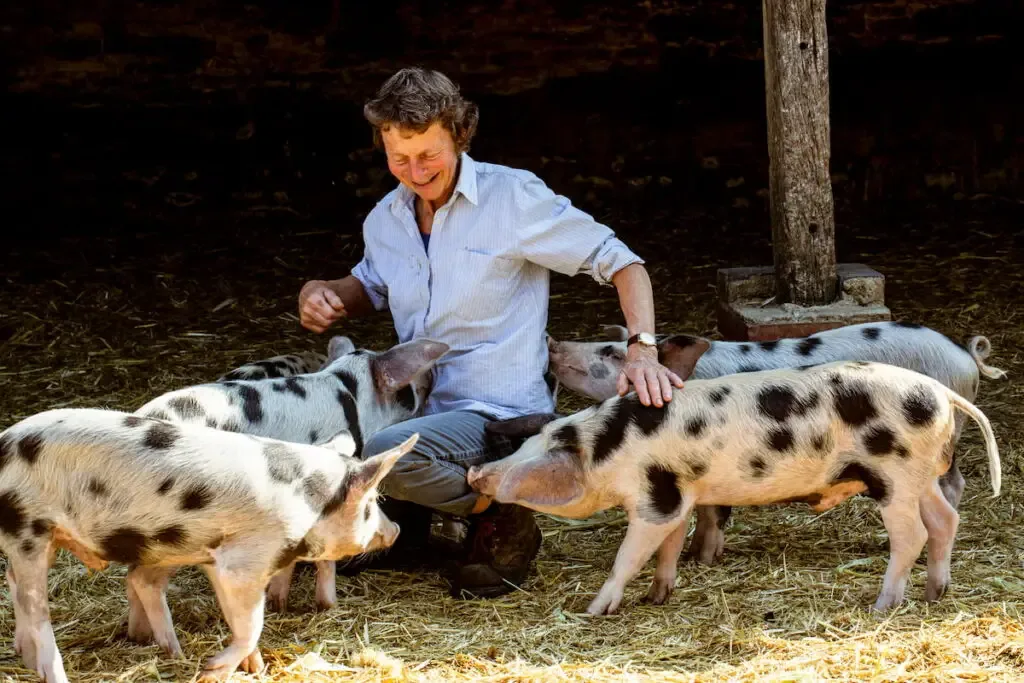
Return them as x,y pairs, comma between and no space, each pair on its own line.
425,162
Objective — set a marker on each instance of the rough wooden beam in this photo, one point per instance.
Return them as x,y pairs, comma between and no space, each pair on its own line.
796,81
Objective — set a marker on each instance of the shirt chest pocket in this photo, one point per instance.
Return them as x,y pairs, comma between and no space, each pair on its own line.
480,282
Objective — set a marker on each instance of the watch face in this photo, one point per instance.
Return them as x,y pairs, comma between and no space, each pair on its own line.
645,338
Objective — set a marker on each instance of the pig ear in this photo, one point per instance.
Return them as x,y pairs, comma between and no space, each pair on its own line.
552,480
615,332
372,470
342,443
520,427
681,352
338,347
399,365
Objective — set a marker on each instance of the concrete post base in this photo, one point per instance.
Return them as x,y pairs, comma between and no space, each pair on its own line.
747,312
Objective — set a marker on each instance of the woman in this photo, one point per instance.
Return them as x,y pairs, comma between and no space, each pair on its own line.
461,252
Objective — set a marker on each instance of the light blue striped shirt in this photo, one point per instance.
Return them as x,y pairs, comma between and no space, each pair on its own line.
482,284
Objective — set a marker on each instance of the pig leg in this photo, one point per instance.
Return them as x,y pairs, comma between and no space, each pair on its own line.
326,588
278,588
907,536
150,587
139,630
642,539
708,542
668,561
941,521
26,576
241,598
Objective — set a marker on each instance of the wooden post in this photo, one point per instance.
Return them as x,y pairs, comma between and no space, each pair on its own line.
796,81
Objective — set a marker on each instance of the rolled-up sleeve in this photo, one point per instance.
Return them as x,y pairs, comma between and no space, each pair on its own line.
375,288
553,233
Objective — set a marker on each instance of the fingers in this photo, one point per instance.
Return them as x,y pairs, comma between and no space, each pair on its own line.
652,382
333,300
666,385
623,383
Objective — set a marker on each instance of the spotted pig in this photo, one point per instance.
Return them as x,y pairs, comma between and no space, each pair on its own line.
591,368
817,434
109,486
287,365
356,394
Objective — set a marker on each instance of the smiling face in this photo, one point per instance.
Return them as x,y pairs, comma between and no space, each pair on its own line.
427,163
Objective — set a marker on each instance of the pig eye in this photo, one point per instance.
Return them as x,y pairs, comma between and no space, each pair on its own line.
609,352
366,512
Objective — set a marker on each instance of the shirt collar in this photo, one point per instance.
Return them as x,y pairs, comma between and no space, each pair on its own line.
465,185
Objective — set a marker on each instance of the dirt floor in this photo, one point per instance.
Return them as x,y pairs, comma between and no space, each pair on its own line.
140,270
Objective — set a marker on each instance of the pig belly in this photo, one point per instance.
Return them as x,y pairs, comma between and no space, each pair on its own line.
805,482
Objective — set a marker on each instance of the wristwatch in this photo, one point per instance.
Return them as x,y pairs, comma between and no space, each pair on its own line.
645,338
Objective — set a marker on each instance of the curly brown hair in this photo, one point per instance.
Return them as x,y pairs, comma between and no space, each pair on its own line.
414,99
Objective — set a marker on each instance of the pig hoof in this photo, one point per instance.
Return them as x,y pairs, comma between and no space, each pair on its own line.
172,650
253,663
140,633
215,673
934,592
324,605
658,593
276,603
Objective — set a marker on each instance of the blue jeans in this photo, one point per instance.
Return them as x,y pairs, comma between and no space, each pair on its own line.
433,473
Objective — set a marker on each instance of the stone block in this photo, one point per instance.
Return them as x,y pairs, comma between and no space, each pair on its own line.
747,312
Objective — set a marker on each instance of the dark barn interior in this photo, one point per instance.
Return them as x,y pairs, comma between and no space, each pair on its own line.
174,171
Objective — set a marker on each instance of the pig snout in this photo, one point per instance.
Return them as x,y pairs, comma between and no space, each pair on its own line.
389,533
482,481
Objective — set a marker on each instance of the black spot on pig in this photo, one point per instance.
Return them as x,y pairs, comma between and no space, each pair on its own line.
612,432
663,489
853,404
807,346
780,439
758,467
776,402
598,370
29,447
348,406
132,421
695,427
270,367
186,406
835,379
338,498
314,436
290,553
235,375
880,440
98,488
744,348
769,345
349,380
317,489
165,486
28,547
823,442
647,418
698,469
406,398
748,368
126,545
232,383
282,463
807,404
919,406
609,351
158,415
568,437
170,535
719,394
877,484
231,426
908,325
294,386
211,423
41,526
160,436
6,451
196,497
871,333
12,515
252,404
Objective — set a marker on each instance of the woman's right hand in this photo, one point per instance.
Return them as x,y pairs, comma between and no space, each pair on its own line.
319,306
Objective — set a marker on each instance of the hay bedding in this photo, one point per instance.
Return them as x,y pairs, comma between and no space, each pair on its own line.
786,604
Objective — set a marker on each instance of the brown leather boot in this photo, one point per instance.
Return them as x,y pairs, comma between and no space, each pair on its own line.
501,545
